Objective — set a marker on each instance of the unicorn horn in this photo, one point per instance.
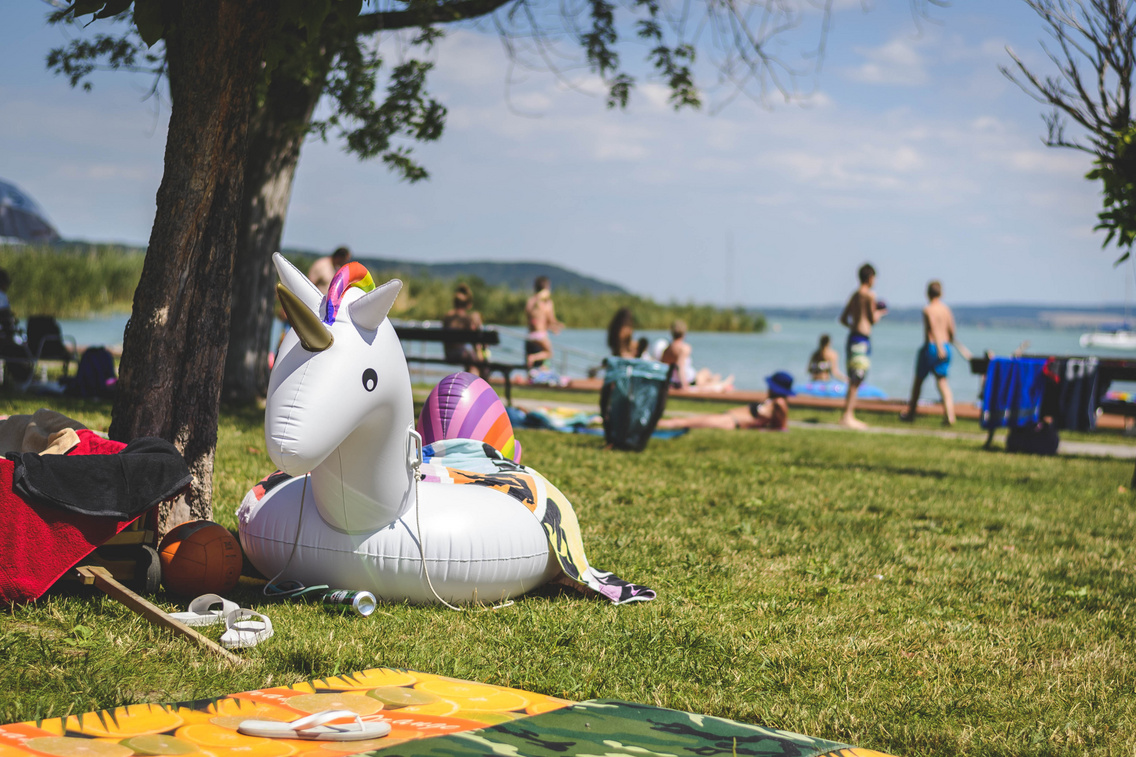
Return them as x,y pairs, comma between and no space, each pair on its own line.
314,335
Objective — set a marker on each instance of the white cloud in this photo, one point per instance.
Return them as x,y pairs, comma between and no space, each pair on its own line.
895,63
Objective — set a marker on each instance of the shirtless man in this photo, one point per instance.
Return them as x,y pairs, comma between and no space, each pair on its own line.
860,314
323,270
541,316
935,354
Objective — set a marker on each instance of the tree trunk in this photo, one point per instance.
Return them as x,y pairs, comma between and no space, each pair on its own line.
276,135
175,342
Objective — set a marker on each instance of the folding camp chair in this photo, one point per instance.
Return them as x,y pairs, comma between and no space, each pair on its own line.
45,341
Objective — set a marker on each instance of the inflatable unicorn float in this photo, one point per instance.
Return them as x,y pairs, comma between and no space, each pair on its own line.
365,500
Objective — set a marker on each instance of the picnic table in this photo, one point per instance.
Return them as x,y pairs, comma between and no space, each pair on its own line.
476,337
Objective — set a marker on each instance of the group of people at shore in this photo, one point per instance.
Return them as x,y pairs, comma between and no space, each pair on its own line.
860,314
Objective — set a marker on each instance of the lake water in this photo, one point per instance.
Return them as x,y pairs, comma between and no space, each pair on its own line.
786,345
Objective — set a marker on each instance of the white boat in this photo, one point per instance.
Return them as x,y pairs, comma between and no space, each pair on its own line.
1118,338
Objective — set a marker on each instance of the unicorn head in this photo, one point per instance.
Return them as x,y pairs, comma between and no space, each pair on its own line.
339,400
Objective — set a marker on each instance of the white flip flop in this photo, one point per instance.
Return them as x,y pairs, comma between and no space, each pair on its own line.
318,727
245,628
199,612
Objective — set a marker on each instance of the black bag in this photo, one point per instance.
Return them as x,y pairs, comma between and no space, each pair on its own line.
632,400
95,376
1035,439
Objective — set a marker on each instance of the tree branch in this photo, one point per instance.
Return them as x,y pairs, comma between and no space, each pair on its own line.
453,10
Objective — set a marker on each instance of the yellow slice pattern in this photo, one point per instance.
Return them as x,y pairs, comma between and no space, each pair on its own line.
122,722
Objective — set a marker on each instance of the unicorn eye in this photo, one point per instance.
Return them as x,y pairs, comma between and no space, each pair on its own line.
370,379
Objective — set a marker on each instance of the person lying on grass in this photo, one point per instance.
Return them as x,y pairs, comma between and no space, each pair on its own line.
772,414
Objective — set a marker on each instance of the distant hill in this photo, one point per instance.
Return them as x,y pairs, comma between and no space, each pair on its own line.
1017,315
517,276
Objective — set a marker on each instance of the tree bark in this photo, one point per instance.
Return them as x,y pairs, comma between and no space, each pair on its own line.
175,342
276,135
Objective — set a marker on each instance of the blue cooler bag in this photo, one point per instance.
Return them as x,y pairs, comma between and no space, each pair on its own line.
632,400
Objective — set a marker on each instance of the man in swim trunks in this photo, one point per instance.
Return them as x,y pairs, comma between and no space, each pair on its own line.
859,315
934,357
541,315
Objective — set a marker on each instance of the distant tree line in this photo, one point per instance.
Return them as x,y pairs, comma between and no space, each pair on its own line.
428,298
81,280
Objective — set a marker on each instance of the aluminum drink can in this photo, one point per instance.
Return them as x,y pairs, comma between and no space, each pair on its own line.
361,602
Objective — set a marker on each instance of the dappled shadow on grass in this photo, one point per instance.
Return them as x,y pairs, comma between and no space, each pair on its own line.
937,475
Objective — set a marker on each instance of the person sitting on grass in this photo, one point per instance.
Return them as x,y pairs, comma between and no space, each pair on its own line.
824,363
463,316
621,333
772,414
684,376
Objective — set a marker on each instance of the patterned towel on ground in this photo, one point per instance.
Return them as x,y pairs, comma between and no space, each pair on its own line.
417,705
604,727
570,421
466,461
428,714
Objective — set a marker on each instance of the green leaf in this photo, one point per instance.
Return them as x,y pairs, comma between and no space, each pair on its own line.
148,19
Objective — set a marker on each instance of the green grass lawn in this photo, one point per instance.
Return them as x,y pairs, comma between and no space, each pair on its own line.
911,594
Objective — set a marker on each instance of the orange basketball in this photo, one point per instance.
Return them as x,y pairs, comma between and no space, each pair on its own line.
200,557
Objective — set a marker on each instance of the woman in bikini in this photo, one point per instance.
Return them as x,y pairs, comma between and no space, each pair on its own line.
824,363
771,414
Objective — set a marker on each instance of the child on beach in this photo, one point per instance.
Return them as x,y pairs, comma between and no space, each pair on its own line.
935,354
859,315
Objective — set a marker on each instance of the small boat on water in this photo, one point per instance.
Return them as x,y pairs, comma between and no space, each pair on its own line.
1113,337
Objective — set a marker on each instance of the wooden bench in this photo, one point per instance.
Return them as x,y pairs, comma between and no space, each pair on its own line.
476,337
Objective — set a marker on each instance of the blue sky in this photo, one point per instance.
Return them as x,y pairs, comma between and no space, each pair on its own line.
912,152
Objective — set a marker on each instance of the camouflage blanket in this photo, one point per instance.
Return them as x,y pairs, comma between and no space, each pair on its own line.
605,727
469,462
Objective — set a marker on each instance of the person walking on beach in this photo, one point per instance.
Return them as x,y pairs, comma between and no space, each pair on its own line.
935,354
859,315
323,270
541,315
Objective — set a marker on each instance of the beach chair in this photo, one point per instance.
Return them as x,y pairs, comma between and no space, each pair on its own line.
22,350
46,341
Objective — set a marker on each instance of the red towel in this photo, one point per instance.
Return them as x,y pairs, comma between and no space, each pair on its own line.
40,543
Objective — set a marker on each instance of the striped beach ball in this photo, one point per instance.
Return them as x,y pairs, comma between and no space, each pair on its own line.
464,406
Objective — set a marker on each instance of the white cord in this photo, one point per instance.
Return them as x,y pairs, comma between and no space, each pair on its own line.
295,542
416,466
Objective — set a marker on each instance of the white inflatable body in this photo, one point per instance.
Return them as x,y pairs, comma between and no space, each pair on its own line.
340,406
478,545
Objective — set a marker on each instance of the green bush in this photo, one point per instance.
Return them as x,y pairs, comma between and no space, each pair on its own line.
71,281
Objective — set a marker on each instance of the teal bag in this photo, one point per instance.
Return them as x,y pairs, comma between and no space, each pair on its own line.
632,400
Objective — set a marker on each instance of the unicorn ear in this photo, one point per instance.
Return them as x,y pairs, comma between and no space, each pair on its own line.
297,283
369,310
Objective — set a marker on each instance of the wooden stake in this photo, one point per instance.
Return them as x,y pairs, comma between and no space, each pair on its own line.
102,579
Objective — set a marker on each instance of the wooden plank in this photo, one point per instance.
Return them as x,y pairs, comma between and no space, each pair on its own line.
102,579
457,336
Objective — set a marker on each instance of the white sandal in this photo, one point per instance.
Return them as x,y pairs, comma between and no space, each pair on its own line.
199,612
315,728
245,628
